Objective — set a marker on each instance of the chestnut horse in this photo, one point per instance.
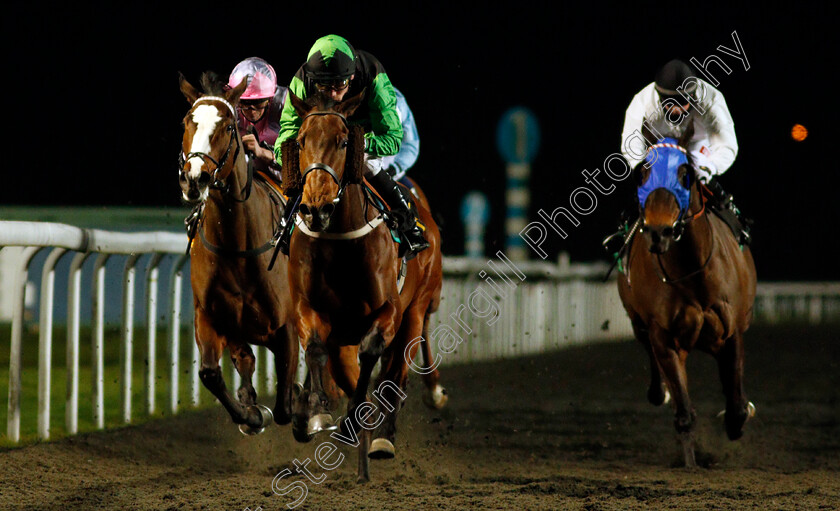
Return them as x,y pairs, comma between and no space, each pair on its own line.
238,302
687,285
343,276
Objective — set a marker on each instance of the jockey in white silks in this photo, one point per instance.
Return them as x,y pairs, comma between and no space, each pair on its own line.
665,108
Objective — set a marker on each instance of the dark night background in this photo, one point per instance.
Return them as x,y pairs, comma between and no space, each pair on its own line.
95,111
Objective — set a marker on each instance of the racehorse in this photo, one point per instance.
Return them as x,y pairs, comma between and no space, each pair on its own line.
687,285
343,276
238,302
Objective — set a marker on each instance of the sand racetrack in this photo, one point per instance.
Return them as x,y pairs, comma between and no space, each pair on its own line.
567,430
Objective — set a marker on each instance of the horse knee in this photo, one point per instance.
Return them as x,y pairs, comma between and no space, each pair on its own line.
317,351
211,377
373,345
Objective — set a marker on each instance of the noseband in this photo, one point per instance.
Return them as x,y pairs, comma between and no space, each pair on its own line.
323,166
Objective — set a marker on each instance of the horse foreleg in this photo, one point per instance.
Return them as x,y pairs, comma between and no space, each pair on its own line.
672,363
657,393
285,349
730,361
211,344
311,414
435,396
371,348
245,363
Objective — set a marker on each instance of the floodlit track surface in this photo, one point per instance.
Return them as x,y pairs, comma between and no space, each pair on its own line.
567,430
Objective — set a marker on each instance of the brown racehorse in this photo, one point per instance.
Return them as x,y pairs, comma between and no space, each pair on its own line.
343,275
238,302
688,285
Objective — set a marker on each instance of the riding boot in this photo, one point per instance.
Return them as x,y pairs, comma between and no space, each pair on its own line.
403,211
724,204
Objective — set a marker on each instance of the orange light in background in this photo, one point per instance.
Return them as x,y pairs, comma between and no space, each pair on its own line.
798,132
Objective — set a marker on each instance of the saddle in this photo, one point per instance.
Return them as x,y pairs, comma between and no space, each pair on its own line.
723,206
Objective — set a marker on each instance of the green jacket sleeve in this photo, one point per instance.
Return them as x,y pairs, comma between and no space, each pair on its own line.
290,121
387,133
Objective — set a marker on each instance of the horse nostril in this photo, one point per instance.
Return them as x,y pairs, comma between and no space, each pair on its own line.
327,210
204,179
668,231
304,209
182,177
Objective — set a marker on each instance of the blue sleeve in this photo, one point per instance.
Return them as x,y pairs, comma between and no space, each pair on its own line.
410,148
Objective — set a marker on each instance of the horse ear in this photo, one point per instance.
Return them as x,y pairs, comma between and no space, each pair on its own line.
348,106
187,89
233,94
688,134
298,104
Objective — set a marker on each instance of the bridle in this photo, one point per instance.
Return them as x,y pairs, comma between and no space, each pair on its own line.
680,224
685,216
232,128
342,183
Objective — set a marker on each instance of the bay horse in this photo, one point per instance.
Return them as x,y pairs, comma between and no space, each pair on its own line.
343,277
687,284
238,302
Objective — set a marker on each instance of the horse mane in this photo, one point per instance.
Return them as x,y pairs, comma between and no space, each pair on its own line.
212,84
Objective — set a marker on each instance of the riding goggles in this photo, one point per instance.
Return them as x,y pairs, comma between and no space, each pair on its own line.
253,105
336,85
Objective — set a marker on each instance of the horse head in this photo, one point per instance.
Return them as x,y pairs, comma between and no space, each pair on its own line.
329,156
211,142
664,187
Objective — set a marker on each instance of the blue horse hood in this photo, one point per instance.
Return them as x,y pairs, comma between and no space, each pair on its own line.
664,159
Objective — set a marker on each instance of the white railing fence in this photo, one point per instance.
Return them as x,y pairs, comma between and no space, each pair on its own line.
490,309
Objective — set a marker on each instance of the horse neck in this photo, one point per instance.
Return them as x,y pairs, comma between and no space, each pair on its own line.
693,249
229,220
351,213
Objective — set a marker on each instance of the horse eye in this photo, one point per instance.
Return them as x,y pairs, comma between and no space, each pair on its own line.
682,175
344,143
300,143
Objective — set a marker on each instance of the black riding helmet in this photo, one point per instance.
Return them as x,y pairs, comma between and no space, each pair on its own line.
331,58
671,77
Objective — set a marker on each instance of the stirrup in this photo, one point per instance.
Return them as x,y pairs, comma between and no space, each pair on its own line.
412,241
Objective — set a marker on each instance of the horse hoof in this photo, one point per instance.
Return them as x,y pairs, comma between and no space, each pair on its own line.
381,449
266,418
319,423
436,398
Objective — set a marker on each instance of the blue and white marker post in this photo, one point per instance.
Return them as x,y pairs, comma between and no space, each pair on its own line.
518,138
475,212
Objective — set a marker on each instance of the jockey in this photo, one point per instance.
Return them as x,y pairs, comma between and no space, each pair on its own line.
259,111
666,107
335,69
